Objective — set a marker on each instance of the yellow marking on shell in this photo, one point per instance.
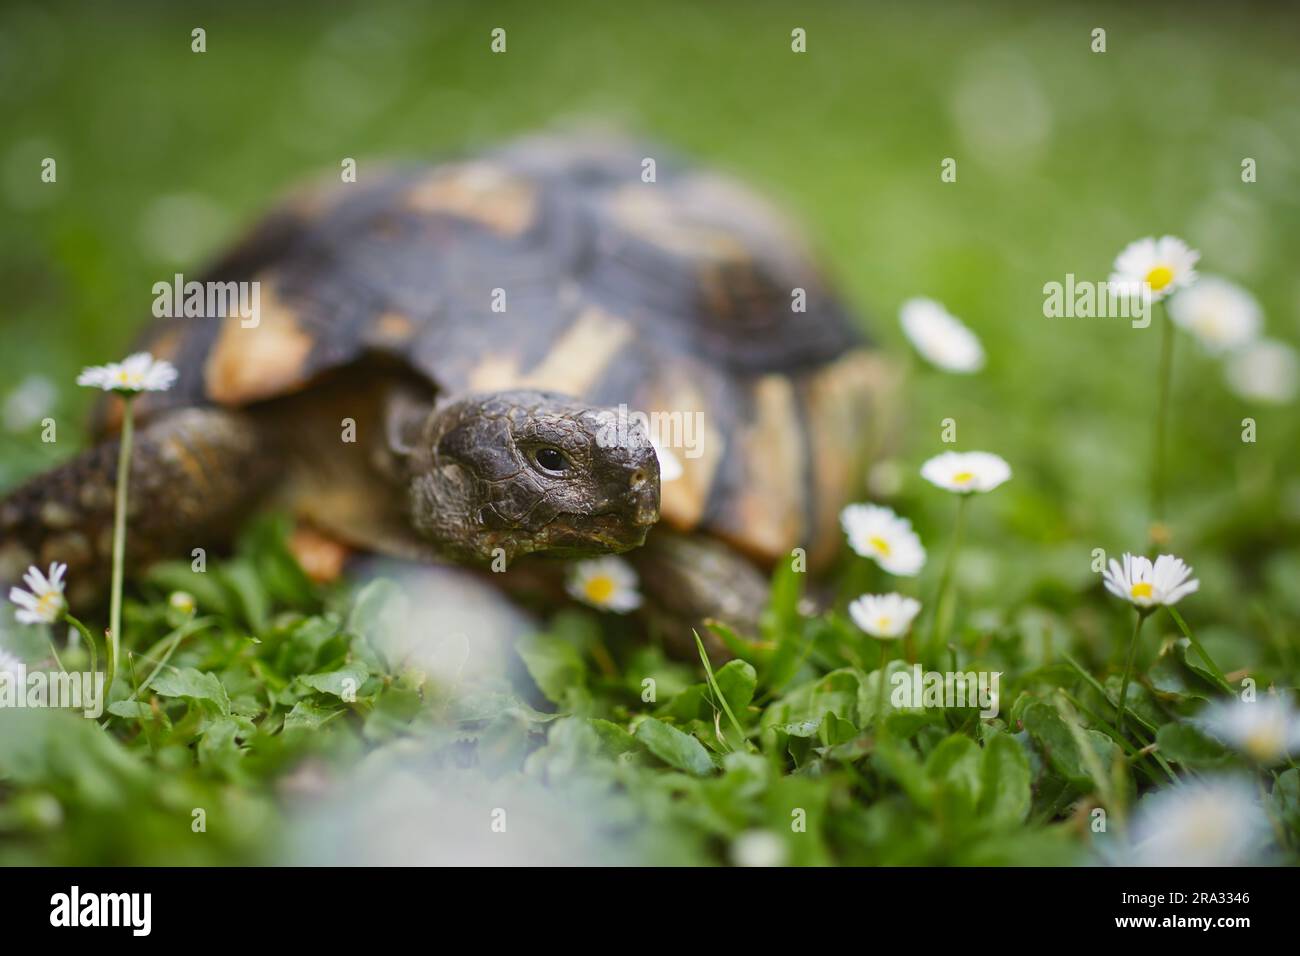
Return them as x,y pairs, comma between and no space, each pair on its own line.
393,328
481,192
247,364
320,555
673,398
767,516
644,212
494,373
849,409
574,364
166,345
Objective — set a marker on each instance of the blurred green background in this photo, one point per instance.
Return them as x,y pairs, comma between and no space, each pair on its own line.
1064,156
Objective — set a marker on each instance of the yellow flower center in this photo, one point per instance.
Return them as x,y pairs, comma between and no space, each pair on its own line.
1142,589
1267,743
599,589
963,477
880,544
49,604
1159,277
882,623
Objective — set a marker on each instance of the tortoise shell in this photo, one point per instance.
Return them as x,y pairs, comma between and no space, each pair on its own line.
675,296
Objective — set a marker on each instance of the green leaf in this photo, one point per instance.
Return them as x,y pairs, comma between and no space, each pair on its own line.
613,738
243,581
195,685
835,730
1185,744
1005,779
132,709
308,716
393,712
218,746
737,680
900,763
1286,797
780,626
740,681
1053,737
674,747
342,683
955,767
742,649
554,665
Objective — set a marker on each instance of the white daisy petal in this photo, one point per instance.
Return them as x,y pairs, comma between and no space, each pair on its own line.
1211,822
884,615
43,601
1148,585
966,472
1162,265
139,372
607,583
1265,371
1266,729
877,533
1220,314
941,338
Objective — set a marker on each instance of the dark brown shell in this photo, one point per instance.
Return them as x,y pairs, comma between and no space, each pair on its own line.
672,296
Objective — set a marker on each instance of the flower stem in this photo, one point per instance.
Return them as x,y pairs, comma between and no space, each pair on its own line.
942,620
88,638
1163,377
119,541
1128,672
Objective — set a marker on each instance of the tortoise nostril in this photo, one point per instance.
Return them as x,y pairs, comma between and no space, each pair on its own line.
638,479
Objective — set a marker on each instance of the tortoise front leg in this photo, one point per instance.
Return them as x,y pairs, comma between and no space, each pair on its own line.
195,473
687,579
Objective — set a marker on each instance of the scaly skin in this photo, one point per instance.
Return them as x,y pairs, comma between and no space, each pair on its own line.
194,474
470,477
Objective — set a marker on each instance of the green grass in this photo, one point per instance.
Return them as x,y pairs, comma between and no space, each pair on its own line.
1064,156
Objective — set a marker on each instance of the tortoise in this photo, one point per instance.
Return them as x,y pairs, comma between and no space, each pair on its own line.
490,326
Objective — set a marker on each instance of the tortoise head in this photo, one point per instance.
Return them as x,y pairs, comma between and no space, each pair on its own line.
511,473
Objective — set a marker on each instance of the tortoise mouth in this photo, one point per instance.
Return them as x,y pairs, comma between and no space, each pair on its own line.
594,534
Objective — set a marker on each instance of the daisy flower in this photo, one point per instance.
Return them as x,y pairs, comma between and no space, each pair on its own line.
876,532
1266,730
1220,314
182,601
1265,371
884,615
607,583
1148,585
758,848
941,338
140,372
43,602
1163,265
966,471
1216,822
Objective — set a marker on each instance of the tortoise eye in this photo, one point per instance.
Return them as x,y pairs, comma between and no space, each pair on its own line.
551,459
